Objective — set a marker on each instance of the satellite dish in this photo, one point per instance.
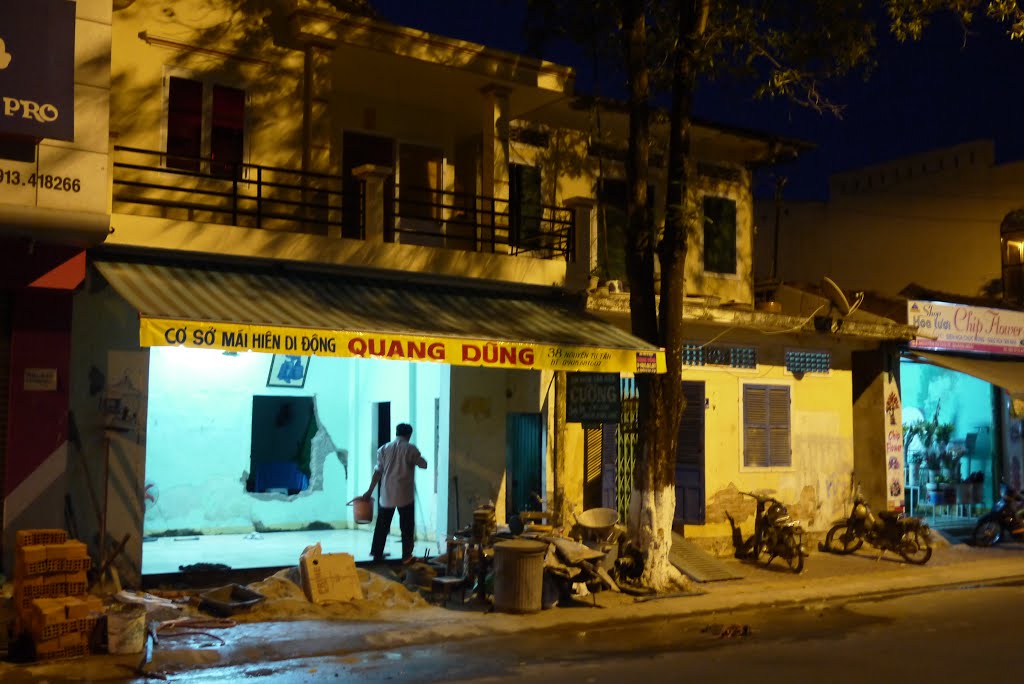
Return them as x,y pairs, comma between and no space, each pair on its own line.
835,295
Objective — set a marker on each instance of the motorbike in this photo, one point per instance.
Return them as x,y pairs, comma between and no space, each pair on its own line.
776,534
887,531
1005,519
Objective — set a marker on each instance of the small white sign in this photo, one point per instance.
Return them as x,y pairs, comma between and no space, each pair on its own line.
40,379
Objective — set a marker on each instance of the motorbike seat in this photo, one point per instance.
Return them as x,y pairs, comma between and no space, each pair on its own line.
889,515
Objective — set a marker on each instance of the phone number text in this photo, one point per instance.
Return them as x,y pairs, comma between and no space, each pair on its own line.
41,180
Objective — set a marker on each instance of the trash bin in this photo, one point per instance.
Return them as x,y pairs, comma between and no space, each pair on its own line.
518,575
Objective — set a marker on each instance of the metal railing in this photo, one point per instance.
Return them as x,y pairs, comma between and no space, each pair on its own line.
240,194
484,224
269,197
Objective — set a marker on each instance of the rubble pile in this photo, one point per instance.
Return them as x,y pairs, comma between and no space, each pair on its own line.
285,599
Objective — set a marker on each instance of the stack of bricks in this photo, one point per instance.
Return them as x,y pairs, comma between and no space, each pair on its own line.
51,604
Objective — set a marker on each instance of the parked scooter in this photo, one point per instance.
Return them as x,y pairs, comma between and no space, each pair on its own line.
776,533
1006,519
888,531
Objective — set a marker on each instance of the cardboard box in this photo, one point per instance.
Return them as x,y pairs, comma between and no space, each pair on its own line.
329,577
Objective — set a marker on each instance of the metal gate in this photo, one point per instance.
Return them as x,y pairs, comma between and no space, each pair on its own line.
628,432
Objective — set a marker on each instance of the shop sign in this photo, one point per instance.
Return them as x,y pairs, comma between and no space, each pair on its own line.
592,398
895,460
958,327
37,69
157,332
40,380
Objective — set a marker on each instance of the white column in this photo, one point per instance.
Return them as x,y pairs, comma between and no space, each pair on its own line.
584,244
374,176
494,153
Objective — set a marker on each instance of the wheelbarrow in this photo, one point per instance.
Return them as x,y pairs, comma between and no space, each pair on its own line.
597,523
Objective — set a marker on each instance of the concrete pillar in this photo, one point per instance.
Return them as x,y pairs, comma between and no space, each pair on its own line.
584,243
374,176
494,154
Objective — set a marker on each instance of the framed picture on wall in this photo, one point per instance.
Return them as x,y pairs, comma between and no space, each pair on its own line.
288,371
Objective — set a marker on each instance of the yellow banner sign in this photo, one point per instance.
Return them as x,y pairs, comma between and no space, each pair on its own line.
157,332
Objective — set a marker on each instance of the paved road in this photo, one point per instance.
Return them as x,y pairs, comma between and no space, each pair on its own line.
940,636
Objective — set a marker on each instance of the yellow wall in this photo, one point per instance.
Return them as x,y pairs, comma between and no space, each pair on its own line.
815,486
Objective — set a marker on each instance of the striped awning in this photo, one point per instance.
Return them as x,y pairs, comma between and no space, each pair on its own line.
236,308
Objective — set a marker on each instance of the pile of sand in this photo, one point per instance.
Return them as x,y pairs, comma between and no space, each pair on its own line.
286,600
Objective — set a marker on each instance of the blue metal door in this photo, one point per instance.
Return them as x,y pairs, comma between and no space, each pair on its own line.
523,459
690,458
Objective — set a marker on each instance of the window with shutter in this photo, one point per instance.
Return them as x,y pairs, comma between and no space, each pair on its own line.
719,235
766,426
205,127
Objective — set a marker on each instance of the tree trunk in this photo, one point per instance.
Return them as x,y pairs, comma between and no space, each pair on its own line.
652,505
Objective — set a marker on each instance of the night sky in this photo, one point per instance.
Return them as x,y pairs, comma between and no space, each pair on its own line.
941,91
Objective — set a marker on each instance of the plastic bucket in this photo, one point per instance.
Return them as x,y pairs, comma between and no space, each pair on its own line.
362,509
126,629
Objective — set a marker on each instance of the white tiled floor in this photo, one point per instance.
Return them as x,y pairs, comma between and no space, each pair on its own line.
271,549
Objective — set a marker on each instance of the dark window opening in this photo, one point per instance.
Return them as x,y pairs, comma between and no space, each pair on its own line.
184,123
719,235
524,207
282,432
611,244
227,132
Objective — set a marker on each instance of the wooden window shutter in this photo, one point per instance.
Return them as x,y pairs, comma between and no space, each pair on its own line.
780,452
755,426
766,426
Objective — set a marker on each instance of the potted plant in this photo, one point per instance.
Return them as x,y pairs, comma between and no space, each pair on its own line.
943,432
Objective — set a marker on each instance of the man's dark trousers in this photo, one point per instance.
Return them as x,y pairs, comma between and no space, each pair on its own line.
406,522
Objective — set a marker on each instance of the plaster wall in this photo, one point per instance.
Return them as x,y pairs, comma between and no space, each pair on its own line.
815,485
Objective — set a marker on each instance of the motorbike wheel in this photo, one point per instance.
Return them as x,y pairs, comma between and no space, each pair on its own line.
915,547
988,532
794,558
842,540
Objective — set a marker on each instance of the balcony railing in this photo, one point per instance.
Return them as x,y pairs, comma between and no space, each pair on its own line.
425,216
256,196
247,195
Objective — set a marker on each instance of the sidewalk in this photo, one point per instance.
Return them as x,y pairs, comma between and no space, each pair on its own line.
826,577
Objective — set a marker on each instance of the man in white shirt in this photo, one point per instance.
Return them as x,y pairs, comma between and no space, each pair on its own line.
396,469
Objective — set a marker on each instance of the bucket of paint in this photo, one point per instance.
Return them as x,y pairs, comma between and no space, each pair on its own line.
126,629
362,509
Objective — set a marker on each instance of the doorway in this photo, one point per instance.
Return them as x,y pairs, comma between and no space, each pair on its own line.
690,458
523,459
